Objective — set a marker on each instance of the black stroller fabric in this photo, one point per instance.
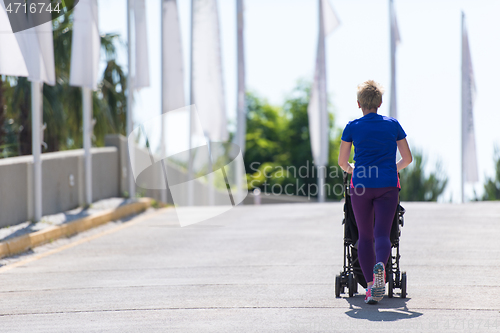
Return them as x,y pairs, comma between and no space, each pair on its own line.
350,227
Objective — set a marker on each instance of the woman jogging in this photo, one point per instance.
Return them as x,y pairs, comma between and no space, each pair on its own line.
375,184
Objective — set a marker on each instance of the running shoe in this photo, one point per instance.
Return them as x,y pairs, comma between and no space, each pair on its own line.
368,297
378,289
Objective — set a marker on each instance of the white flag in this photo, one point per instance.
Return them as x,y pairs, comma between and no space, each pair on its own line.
140,70
37,46
206,75
317,109
86,45
469,156
330,19
11,58
172,60
395,40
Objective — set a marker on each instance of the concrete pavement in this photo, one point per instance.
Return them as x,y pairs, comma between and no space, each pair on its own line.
257,269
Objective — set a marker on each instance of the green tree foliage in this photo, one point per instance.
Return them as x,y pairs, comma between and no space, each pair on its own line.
62,103
278,153
265,126
416,186
492,185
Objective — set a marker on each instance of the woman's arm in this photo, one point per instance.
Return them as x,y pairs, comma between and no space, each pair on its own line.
344,153
405,152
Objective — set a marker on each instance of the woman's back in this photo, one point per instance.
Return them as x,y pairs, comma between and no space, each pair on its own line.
374,137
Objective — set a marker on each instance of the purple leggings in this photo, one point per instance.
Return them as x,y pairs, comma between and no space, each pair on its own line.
369,205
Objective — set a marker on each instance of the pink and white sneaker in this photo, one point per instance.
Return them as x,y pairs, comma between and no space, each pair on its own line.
368,297
378,288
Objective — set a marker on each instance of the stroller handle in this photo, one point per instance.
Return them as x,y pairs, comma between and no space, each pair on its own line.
345,177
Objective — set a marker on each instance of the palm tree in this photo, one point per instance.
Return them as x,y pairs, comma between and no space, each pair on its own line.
21,110
62,103
111,115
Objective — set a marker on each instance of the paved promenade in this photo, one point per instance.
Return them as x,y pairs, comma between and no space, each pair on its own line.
264,268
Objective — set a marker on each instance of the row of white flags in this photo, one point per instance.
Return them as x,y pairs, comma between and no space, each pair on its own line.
30,53
317,109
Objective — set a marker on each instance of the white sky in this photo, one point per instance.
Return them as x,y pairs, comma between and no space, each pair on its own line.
281,37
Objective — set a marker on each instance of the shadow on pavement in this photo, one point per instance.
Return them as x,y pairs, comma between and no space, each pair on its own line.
389,309
20,229
19,232
66,217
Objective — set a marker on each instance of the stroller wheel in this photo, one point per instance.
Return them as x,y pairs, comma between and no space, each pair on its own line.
338,286
390,287
351,284
403,285
390,279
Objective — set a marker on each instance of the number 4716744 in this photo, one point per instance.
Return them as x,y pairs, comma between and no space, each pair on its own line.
33,8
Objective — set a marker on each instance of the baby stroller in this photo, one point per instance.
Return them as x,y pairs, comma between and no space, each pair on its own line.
352,274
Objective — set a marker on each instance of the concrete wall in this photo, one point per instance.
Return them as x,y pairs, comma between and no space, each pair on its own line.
120,143
15,204
277,199
63,185
63,178
153,177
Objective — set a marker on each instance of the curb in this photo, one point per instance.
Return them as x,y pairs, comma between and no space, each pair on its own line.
23,243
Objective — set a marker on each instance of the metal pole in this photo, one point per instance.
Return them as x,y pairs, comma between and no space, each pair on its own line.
211,183
393,109
393,105
241,116
87,142
321,183
191,102
36,125
462,117
256,196
163,193
323,111
130,97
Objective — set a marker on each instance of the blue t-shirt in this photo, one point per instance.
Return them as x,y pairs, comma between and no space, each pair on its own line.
374,137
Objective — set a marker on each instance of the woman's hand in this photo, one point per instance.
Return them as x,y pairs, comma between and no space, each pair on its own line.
344,153
405,152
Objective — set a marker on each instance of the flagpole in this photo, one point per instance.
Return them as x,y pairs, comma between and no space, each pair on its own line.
241,115
210,178
87,142
191,102
393,105
130,99
36,124
323,128
462,173
163,193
